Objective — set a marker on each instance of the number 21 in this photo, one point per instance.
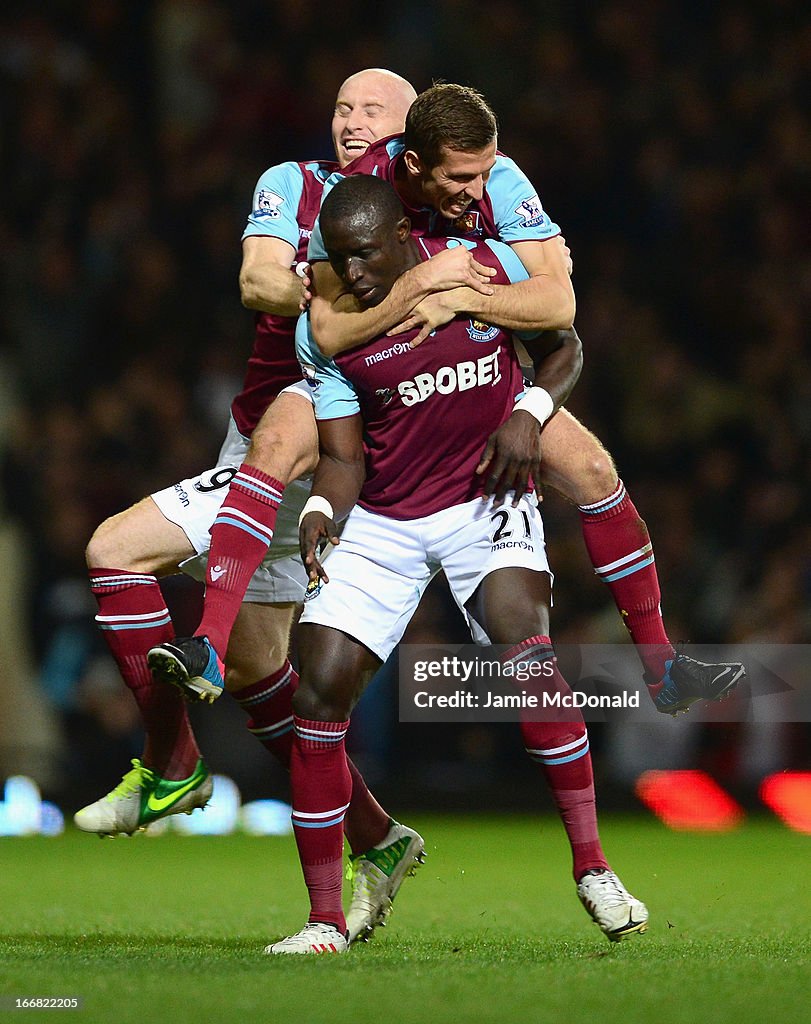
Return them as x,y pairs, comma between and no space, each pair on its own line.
503,517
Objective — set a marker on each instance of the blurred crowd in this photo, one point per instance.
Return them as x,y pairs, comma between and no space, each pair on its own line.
670,140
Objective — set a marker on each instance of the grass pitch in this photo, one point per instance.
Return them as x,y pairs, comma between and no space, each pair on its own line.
172,928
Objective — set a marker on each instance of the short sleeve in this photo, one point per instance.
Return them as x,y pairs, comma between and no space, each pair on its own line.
275,204
333,395
517,210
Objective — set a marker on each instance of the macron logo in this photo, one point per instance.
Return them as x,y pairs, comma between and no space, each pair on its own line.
215,572
398,349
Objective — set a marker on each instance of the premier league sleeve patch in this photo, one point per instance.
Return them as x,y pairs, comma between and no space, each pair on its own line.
266,204
310,374
531,212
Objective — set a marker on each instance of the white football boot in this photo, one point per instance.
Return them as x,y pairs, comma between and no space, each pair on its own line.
312,939
611,906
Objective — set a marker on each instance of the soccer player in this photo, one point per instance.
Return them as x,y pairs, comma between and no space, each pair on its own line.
170,529
452,181
422,417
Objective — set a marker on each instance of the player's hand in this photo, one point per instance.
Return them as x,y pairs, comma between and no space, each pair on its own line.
456,268
432,312
511,457
315,532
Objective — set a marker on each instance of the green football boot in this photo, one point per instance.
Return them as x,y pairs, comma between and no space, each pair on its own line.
142,797
377,876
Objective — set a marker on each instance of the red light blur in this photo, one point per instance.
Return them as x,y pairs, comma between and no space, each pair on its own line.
788,794
688,801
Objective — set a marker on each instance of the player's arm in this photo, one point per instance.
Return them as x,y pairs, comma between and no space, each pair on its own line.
338,321
532,304
513,452
557,357
270,240
336,486
341,467
267,283
545,301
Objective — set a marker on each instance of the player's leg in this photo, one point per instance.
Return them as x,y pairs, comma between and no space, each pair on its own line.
509,601
617,539
503,605
262,681
620,548
332,666
284,447
511,605
258,507
347,630
125,556
259,675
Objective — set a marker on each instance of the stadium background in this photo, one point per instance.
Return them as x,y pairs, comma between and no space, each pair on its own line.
669,141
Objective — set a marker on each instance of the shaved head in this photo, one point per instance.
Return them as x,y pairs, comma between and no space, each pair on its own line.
381,78
371,104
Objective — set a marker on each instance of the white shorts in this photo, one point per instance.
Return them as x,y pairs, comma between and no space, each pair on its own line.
379,571
193,505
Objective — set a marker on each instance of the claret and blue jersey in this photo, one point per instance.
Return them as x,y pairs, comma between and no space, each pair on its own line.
285,205
428,410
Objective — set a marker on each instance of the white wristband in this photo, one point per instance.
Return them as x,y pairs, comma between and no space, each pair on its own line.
316,503
538,403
